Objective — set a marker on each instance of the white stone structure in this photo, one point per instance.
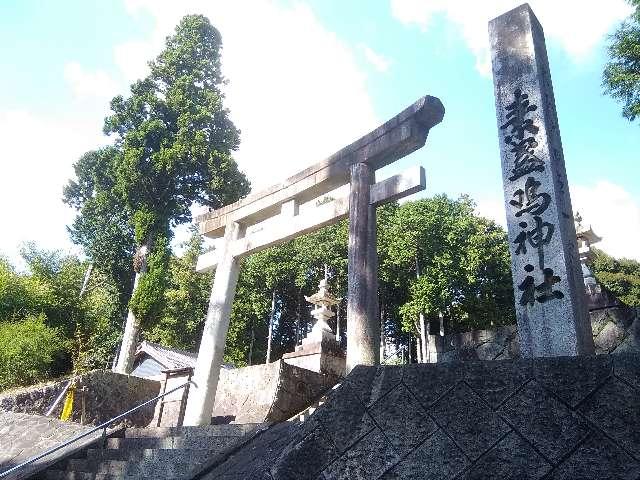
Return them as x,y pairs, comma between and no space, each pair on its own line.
320,351
586,238
548,286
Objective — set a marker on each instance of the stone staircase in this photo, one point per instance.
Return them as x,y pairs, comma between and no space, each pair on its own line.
307,412
159,453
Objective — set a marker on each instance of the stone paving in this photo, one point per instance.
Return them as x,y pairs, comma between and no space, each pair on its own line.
558,418
23,436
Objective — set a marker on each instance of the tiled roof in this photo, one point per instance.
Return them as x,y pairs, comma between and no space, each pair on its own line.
170,358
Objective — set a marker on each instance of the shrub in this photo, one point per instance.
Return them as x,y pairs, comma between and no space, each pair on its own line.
28,351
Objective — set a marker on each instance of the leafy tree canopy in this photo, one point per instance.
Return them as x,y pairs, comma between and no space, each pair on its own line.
621,77
620,276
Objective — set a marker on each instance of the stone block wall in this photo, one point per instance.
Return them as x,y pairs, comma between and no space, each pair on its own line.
497,344
561,418
107,395
615,330
271,392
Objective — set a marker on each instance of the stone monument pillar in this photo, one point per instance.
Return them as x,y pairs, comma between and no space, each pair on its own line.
548,285
320,351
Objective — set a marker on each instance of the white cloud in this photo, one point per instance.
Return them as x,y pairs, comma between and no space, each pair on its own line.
611,211
38,153
613,214
493,209
577,25
85,84
295,90
379,62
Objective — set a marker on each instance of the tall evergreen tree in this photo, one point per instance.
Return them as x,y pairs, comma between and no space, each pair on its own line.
174,140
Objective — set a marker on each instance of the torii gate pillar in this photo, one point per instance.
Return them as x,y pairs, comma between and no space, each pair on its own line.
363,327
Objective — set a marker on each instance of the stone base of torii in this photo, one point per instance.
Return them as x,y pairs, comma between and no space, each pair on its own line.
356,165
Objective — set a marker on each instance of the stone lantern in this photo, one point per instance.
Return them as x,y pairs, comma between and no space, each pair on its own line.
586,238
322,300
598,297
320,351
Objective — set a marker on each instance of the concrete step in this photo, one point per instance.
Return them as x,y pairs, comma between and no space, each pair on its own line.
140,454
192,443
112,467
64,475
229,430
159,453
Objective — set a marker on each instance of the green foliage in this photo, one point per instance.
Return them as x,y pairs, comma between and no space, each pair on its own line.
620,276
621,77
145,224
175,135
28,349
185,301
147,301
103,225
87,325
464,262
21,295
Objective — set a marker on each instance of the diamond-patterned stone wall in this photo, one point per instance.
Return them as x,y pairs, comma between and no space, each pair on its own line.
560,418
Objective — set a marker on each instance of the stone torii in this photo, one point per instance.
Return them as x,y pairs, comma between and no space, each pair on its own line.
279,208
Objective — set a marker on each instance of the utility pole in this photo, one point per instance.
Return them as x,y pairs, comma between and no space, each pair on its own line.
273,312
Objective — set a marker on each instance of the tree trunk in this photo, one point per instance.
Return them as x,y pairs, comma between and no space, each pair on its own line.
424,338
253,338
298,321
85,282
383,338
338,324
273,311
127,352
441,323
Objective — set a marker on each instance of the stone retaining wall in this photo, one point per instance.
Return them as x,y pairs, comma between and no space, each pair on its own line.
563,418
615,330
107,395
271,392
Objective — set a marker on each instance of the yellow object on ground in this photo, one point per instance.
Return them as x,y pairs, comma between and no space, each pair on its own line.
67,409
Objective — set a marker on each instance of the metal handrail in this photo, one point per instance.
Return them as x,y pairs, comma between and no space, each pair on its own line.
102,426
58,398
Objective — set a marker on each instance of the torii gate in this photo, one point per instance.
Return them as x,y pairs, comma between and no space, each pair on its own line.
354,164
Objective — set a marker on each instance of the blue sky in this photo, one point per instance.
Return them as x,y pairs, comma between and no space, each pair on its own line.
306,78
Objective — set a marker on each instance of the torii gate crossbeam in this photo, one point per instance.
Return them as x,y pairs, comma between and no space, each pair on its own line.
354,164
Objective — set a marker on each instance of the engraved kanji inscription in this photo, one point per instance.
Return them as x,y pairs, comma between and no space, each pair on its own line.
525,161
528,288
529,200
523,148
517,122
545,290
537,237
546,287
